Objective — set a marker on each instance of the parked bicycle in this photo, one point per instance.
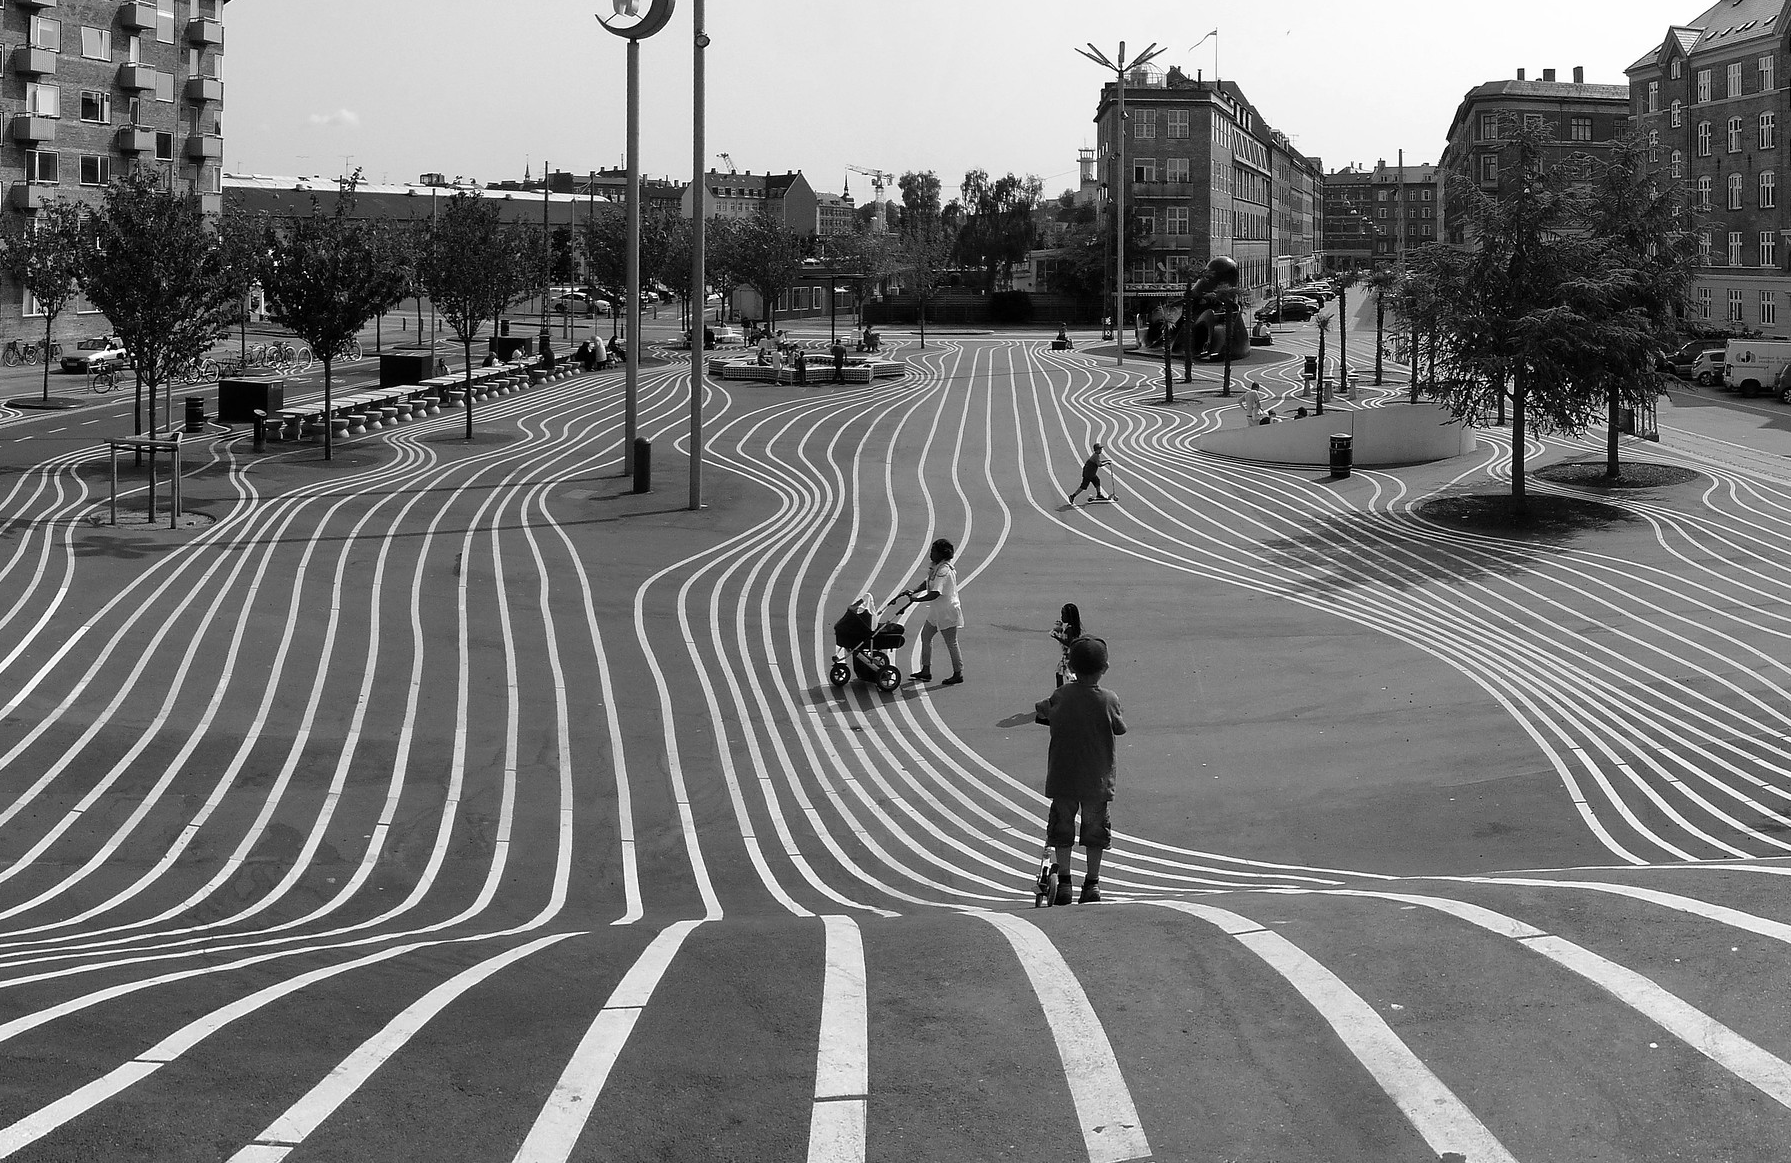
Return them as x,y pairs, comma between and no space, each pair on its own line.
103,380
350,350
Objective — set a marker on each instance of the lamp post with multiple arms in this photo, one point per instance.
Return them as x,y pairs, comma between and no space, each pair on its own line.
1119,65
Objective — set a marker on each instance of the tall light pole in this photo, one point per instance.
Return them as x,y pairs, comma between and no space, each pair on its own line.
635,20
1120,177
698,236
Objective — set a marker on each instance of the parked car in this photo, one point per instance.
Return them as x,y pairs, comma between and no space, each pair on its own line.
92,355
1290,310
1707,369
574,303
1680,362
727,334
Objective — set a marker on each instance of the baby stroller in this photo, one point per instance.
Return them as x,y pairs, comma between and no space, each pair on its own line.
862,642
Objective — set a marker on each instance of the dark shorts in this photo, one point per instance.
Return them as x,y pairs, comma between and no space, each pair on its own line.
1091,478
1097,826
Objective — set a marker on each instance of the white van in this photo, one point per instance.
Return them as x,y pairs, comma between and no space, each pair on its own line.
1751,365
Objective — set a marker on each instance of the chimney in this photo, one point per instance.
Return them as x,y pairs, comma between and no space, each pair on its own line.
1579,74
1520,74
1548,74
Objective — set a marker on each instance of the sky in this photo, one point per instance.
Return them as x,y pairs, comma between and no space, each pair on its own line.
487,89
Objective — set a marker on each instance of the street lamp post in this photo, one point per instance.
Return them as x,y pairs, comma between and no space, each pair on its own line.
1119,67
699,230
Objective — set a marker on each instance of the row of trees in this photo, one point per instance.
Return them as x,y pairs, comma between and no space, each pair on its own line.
169,278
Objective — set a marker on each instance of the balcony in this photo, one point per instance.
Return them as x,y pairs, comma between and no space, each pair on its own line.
138,77
37,62
202,89
202,31
1161,190
31,127
132,139
37,3
201,148
137,16
30,195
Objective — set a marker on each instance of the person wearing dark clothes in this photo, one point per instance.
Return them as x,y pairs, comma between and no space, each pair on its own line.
586,358
1079,776
1091,474
801,364
839,361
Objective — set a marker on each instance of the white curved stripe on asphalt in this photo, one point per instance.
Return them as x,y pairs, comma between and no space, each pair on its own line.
842,1063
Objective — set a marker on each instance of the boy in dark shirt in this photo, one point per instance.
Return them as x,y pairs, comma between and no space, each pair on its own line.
1091,474
1084,719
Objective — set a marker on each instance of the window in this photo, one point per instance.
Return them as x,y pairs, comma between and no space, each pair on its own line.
133,111
1769,308
1704,251
164,147
1769,243
1678,113
96,106
1176,169
1654,145
1175,122
1489,168
1704,192
1703,86
1734,253
1769,194
1734,135
1677,70
1765,66
43,100
133,50
1580,129
45,33
1654,96
1489,127
1678,164
40,166
1144,169
1734,79
1178,220
1735,306
211,180
1144,124
164,87
1734,191
1146,219
1381,212
164,21
1703,139
95,170
96,43
1704,302
1769,130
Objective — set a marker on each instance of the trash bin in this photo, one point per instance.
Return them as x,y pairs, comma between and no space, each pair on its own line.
195,414
643,465
1340,453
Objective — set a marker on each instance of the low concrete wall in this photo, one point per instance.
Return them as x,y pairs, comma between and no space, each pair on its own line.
1395,434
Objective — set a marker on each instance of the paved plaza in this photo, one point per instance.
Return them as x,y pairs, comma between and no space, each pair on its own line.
449,801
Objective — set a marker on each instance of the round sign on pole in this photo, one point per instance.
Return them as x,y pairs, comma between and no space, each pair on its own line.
636,19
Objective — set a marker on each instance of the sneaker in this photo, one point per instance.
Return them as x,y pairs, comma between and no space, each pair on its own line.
954,680
1064,890
921,676
1091,892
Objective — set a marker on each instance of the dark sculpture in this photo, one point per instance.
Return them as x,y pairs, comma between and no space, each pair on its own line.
1219,319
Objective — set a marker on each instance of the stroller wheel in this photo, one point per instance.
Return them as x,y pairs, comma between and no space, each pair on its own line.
879,660
888,679
839,674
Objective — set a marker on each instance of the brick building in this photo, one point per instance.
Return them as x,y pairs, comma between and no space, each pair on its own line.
99,88
1584,118
735,195
1375,216
1707,97
1206,175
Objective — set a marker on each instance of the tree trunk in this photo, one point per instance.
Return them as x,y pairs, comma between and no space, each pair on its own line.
1342,338
1380,335
1610,447
466,346
49,322
1318,385
1520,506
329,428
922,312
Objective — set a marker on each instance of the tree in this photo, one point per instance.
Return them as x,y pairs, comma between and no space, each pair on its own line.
43,254
718,265
1344,280
765,255
1548,300
564,266
1383,281
326,275
161,273
474,267
928,237
604,235
998,228
1318,389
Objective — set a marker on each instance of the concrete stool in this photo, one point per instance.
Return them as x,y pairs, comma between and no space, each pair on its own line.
452,397
311,429
388,415
339,426
356,421
429,405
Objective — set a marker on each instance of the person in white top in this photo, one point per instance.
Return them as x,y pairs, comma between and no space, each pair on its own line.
944,614
1253,398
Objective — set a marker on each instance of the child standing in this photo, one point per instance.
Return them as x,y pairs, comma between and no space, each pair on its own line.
1091,473
1084,719
1067,630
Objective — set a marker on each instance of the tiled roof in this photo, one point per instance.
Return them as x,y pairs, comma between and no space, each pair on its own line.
1552,89
1730,22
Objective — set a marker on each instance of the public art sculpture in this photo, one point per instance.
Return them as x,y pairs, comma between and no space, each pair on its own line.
1218,316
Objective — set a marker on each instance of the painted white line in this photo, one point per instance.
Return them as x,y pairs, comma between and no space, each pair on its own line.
842,1064
1110,1126
1443,1120
308,1113
562,1119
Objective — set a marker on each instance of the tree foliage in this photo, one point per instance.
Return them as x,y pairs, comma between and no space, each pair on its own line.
764,254
162,274
604,235
998,228
43,254
928,238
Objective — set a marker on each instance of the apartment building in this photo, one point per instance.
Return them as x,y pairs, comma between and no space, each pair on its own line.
1584,119
1206,175
1707,97
736,195
99,87
1375,216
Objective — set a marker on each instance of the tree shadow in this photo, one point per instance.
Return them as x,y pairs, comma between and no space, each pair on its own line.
1589,474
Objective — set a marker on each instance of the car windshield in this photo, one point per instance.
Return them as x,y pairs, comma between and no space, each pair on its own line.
90,345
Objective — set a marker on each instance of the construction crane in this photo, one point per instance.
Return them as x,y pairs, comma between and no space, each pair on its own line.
729,158
878,179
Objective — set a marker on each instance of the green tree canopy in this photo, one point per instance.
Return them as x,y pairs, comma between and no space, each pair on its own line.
43,254
764,254
998,228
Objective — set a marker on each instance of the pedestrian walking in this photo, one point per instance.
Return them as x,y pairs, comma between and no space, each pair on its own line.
839,361
1080,772
945,615
1091,474
1066,631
